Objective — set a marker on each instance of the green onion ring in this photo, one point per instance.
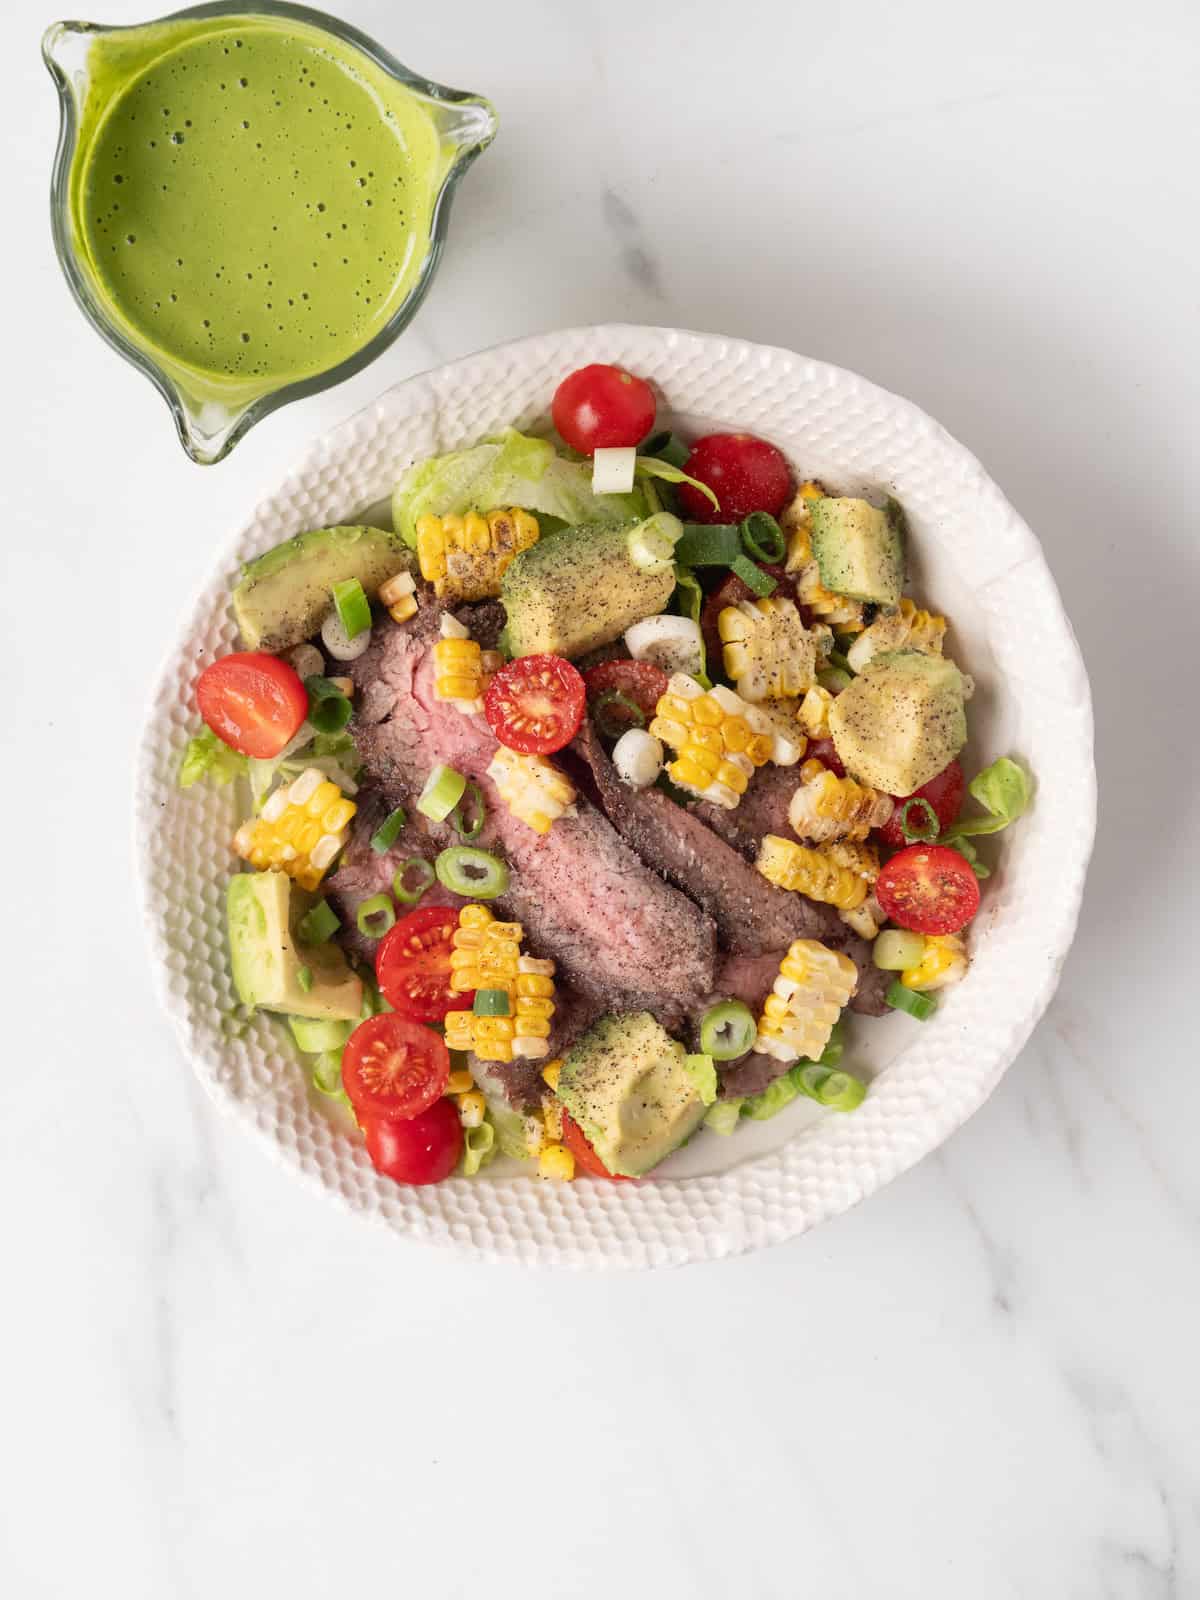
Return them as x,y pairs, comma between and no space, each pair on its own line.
474,873
606,726
444,788
900,998
388,831
924,832
409,893
763,538
840,1091
727,1030
472,797
370,912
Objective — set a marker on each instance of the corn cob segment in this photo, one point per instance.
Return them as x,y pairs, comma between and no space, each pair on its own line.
809,872
806,999
943,963
486,954
466,557
906,628
458,673
767,650
532,788
835,609
826,807
813,712
300,829
719,739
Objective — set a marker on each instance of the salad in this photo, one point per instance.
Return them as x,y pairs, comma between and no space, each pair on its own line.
581,805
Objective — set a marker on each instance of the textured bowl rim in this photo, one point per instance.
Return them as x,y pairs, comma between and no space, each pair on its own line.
745,1221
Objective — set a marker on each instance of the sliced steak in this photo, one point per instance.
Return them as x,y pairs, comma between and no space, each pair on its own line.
763,809
873,983
752,915
619,934
750,1075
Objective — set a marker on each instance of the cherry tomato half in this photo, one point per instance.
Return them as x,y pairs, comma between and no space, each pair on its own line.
253,702
412,964
944,793
425,1149
535,704
603,407
746,474
613,682
928,888
393,1068
586,1158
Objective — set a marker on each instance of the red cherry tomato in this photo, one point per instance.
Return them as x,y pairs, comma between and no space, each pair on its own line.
928,888
944,793
535,704
746,474
586,1158
728,592
412,964
393,1068
253,702
425,1149
638,681
825,751
603,407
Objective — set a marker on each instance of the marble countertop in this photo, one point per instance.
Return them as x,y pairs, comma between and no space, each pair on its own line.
982,1382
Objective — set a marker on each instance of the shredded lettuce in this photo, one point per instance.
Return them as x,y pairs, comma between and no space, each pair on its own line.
724,1117
689,601
511,469
206,756
334,754
654,467
703,1073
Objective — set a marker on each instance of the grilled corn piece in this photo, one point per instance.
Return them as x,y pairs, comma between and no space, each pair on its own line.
487,955
458,673
767,650
556,1161
300,829
835,609
532,788
810,872
906,628
806,999
813,712
719,739
826,807
464,558
943,963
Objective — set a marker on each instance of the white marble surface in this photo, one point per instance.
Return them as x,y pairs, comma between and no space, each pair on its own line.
983,1382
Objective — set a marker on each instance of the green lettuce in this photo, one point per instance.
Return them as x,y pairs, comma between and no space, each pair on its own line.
1004,790
511,469
334,754
654,467
724,1117
206,756
780,1093
703,1073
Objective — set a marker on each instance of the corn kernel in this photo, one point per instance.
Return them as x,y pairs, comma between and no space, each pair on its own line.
551,1072
557,1163
460,1080
471,1108
552,1119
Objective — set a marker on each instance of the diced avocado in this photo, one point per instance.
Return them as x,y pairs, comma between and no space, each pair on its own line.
283,597
626,1084
901,721
262,909
577,589
859,548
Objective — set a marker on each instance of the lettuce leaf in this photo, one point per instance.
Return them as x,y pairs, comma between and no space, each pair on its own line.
1004,790
511,469
703,1073
208,757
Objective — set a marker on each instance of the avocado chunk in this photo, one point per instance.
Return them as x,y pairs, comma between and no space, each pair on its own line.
626,1084
901,721
579,588
859,548
261,909
283,597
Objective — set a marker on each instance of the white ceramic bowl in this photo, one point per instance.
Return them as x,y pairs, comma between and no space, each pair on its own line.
973,557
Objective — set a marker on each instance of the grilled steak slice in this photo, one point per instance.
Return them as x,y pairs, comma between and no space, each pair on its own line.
762,809
619,934
873,983
752,915
750,1075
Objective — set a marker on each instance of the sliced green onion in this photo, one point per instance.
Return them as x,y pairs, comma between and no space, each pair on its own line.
667,448
834,679
652,543
612,727
779,1092
708,544
318,924
478,1147
724,1117
304,978
762,583
840,1091
474,801
408,891
919,821
895,950
474,873
444,788
315,1035
835,1046
763,537
327,1074
921,1006
839,662
727,1030
328,708
375,916
388,831
491,1003
353,607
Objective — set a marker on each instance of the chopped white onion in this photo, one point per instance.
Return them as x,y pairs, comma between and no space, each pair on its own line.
638,758
672,643
612,470
452,628
338,644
